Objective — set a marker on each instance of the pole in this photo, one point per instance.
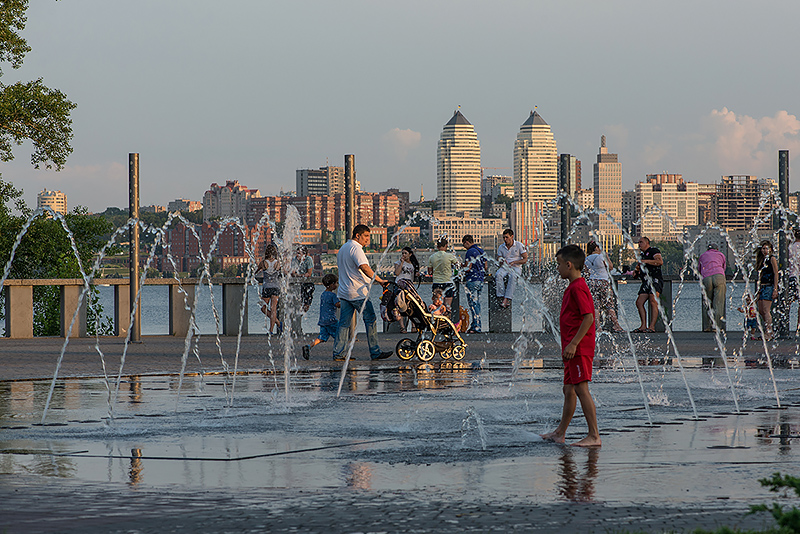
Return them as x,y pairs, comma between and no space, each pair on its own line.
133,235
349,194
783,245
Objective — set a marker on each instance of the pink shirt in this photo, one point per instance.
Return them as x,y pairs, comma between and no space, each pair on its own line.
712,262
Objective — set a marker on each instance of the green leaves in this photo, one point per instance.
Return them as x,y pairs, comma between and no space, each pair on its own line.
33,111
30,111
12,21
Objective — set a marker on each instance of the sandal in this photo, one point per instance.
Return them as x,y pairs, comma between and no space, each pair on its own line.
639,330
649,331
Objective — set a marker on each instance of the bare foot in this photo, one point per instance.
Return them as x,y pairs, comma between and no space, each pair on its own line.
506,303
588,441
552,436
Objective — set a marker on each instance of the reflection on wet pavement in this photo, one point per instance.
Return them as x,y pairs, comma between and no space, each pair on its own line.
445,427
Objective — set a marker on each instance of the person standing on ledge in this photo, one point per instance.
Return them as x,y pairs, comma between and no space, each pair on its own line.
576,323
355,276
475,264
650,263
712,269
511,255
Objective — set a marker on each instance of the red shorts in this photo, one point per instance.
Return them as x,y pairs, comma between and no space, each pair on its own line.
577,370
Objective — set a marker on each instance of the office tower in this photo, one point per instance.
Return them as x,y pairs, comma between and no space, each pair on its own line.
629,215
607,196
56,200
535,162
738,202
569,174
458,176
706,195
323,181
666,205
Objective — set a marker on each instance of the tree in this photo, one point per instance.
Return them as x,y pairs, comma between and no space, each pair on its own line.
30,111
504,199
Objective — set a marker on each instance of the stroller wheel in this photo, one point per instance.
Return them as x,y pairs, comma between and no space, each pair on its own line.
446,353
406,349
426,350
459,352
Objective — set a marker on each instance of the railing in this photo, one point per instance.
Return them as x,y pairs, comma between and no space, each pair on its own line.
19,304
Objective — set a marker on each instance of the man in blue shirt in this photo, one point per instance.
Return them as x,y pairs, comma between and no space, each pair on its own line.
475,272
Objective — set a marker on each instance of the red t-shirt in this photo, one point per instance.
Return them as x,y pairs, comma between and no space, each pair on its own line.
577,302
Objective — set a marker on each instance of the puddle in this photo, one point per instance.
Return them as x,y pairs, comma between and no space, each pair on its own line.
442,428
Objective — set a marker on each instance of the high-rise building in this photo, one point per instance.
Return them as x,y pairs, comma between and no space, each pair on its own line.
55,200
458,176
535,161
569,174
706,193
323,181
665,205
229,200
585,198
738,202
607,196
629,215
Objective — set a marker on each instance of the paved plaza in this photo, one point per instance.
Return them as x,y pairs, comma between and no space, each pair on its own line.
407,447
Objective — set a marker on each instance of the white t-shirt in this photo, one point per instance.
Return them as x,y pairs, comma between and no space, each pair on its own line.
512,254
597,267
406,271
794,259
353,283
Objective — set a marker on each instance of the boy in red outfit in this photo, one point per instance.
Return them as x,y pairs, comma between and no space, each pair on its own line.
577,345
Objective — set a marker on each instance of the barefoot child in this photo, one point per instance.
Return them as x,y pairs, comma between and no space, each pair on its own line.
328,323
748,308
577,344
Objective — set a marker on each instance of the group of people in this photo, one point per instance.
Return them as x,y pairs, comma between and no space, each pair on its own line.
349,291
271,271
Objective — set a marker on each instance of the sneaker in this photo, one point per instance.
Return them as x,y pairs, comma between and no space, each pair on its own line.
342,357
382,355
306,351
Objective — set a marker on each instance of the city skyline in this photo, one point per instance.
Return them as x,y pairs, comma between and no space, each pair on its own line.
256,103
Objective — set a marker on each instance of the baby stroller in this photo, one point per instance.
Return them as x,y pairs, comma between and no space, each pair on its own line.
436,334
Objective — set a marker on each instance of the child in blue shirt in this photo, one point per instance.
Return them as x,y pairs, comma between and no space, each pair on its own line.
328,323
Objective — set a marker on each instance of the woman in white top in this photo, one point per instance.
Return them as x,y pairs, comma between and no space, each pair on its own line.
406,268
270,265
599,282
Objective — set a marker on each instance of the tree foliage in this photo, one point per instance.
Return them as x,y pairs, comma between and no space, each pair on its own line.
30,111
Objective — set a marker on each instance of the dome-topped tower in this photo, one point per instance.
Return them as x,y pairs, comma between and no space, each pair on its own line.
458,174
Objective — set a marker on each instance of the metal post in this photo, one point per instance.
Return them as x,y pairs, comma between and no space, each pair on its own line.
784,301
133,235
349,193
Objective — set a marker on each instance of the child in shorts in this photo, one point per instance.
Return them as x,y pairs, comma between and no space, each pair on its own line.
748,308
328,323
577,345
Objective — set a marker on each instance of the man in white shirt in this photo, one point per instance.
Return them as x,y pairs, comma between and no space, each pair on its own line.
511,255
355,275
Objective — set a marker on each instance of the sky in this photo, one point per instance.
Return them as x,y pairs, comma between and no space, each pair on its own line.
251,90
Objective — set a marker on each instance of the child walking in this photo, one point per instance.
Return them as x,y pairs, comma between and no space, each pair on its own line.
577,344
328,323
748,308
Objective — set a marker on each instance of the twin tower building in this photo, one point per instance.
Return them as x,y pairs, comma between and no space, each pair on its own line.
536,178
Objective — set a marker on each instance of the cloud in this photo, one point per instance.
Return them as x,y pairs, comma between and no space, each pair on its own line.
745,145
400,142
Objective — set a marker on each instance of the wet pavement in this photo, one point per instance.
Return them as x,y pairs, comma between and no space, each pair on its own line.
407,447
